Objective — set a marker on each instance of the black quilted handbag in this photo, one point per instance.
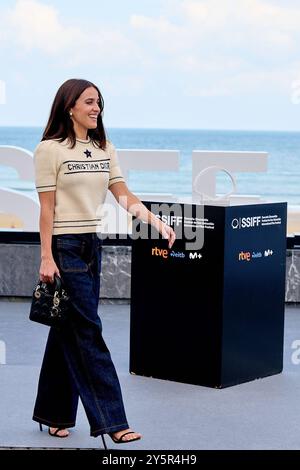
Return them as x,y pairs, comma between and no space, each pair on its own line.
50,303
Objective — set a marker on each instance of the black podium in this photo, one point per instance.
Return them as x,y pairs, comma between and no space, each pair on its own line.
213,315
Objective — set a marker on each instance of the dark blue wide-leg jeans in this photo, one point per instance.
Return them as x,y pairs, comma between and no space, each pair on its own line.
77,362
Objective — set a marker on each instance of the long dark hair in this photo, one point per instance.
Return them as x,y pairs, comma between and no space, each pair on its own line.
60,125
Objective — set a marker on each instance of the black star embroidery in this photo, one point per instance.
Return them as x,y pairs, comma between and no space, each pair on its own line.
88,154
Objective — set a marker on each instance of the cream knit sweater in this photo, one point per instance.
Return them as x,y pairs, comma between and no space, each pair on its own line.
80,178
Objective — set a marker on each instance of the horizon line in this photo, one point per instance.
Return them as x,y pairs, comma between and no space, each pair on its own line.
170,129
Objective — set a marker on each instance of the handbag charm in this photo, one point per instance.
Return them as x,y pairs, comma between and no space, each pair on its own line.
50,303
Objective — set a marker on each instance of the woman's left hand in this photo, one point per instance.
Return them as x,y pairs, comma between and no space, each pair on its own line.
168,233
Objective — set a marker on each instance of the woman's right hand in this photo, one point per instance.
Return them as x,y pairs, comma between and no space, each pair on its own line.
48,269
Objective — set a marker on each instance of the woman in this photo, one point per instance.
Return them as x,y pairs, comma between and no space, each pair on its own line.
74,167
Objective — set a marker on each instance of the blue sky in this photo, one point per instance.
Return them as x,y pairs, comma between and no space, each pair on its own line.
202,64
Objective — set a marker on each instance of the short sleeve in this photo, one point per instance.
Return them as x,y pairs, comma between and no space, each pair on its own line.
115,174
45,166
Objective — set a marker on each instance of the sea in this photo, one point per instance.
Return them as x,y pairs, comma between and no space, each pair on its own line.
279,183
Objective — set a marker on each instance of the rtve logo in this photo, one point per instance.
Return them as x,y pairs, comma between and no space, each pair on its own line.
245,256
159,252
165,253
246,222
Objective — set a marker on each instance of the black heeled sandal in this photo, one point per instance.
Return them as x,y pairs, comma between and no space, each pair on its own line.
55,433
120,439
41,429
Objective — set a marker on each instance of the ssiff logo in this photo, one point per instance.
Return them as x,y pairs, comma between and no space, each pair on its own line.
246,222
